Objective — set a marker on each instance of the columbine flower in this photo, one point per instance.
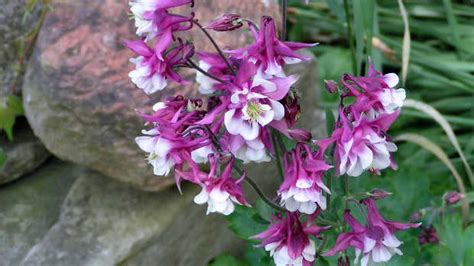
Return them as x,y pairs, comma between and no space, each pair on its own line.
376,241
302,189
248,150
151,73
173,137
375,93
226,22
288,240
269,52
363,146
254,102
216,66
153,19
220,192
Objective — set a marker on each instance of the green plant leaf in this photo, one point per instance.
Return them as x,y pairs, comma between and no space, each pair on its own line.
255,256
226,260
264,210
246,222
3,157
330,121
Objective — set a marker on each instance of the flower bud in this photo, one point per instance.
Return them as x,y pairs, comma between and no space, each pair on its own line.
292,108
453,197
416,216
300,135
379,194
331,86
428,236
226,22
343,261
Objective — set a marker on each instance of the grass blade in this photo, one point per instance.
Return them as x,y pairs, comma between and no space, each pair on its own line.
427,109
406,42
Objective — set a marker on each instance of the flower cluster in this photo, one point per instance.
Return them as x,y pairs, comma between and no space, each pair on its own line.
249,106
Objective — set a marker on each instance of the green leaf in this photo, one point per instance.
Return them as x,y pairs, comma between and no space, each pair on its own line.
14,102
3,157
246,222
226,260
256,256
456,242
10,108
264,210
330,121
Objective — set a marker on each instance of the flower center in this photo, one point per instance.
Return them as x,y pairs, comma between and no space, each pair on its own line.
254,109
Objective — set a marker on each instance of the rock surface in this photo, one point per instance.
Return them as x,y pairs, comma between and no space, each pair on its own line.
67,215
24,154
30,206
77,95
14,26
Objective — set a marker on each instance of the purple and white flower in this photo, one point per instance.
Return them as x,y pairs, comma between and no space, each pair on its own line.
302,189
287,240
376,241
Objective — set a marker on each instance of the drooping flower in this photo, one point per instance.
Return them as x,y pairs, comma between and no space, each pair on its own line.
268,52
153,19
248,150
216,66
226,22
174,136
288,240
151,73
375,241
375,93
302,189
219,190
254,101
453,197
363,145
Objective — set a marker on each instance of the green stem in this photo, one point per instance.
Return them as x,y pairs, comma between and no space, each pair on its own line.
276,146
259,191
349,36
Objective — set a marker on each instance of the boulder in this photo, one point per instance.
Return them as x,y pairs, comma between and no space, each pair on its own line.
24,154
77,95
15,24
105,222
30,206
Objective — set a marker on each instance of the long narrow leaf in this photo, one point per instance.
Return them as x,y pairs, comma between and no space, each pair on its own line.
425,108
406,42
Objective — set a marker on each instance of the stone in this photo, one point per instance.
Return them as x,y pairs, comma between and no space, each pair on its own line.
30,206
77,95
24,154
15,24
105,222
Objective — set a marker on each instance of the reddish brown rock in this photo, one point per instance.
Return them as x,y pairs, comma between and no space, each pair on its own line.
77,95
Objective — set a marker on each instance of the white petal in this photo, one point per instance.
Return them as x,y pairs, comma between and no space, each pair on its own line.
365,157
380,254
369,244
232,123
390,240
202,197
278,109
147,144
391,79
218,195
249,131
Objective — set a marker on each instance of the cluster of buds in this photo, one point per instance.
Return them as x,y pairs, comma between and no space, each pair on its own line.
248,100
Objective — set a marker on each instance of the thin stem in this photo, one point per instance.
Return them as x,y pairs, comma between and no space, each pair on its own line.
259,191
321,246
276,146
195,66
349,36
327,222
284,14
216,46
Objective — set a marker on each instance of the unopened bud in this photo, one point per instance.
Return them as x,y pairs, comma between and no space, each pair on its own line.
428,236
300,135
453,197
416,217
343,261
331,86
379,194
226,22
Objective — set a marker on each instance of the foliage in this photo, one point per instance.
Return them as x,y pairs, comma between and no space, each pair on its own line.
10,108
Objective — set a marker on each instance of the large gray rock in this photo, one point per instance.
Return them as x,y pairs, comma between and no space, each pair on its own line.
24,154
30,206
104,222
77,95
15,25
